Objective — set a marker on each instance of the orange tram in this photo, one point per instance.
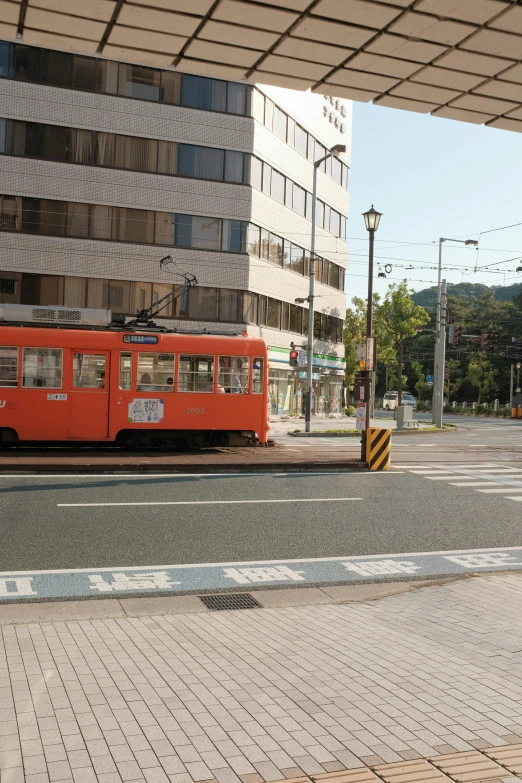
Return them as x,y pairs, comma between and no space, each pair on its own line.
78,375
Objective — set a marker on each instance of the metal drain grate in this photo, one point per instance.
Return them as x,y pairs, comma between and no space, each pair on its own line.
217,603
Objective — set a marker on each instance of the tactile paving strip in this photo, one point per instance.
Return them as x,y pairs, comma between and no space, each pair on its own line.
420,771
361,775
510,756
469,767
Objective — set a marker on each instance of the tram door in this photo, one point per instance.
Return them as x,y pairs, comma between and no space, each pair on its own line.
89,396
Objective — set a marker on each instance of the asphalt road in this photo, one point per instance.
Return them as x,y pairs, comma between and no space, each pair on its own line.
204,519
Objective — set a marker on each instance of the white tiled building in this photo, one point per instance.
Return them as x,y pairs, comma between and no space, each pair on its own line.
108,167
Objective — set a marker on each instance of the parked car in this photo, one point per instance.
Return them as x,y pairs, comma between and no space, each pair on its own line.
390,400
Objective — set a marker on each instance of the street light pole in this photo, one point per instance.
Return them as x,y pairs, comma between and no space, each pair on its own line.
333,152
371,219
440,336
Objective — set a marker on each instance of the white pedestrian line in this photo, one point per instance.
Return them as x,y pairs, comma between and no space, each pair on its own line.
472,483
503,480
208,502
444,477
504,489
476,445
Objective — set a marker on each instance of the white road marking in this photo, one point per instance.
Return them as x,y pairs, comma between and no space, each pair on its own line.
472,483
444,552
504,489
444,477
207,502
519,498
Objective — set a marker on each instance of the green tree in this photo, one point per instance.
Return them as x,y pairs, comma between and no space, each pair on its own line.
422,387
355,332
481,375
402,317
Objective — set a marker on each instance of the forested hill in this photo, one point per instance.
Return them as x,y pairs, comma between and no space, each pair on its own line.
469,291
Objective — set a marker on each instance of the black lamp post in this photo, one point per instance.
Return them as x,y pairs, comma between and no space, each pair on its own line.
371,219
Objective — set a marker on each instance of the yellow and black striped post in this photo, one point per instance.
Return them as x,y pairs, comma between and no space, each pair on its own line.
378,448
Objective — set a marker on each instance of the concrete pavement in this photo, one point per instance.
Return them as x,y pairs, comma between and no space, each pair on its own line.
308,690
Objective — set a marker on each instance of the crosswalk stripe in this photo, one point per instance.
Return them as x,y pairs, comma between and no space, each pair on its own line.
519,498
510,489
473,483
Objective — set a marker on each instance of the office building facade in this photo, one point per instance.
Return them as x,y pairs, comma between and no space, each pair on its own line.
107,167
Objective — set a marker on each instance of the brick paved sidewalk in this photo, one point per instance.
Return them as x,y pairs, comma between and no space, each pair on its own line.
267,694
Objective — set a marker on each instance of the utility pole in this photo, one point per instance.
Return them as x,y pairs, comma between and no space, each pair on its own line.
438,364
333,152
440,354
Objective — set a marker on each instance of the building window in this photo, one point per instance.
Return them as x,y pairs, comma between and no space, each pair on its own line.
278,187
201,162
138,82
195,231
250,307
234,236
236,98
201,93
269,113
42,367
228,305
84,73
234,166
273,313
301,138
299,200
203,303
279,123
256,172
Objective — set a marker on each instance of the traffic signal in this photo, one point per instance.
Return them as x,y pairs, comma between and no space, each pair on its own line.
293,358
456,334
488,339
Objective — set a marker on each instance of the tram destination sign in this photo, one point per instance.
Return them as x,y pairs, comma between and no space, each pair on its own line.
142,339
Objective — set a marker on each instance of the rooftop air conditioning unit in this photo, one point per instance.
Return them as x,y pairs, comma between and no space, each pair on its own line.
54,316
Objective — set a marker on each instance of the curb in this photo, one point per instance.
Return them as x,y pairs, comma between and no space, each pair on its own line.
286,467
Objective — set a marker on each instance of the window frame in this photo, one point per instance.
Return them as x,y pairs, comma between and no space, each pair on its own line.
40,348
198,357
3,383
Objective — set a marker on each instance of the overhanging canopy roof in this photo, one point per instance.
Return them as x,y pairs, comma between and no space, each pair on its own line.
460,59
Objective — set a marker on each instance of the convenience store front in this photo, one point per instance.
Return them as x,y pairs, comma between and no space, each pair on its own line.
288,385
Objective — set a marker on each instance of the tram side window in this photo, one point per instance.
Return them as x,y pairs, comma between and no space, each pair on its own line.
125,370
155,372
88,371
8,366
196,374
258,375
233,374
42,367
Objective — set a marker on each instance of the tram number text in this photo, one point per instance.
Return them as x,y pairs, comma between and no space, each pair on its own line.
196,410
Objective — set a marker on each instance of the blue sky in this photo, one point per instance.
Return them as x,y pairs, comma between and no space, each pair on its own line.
433,177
